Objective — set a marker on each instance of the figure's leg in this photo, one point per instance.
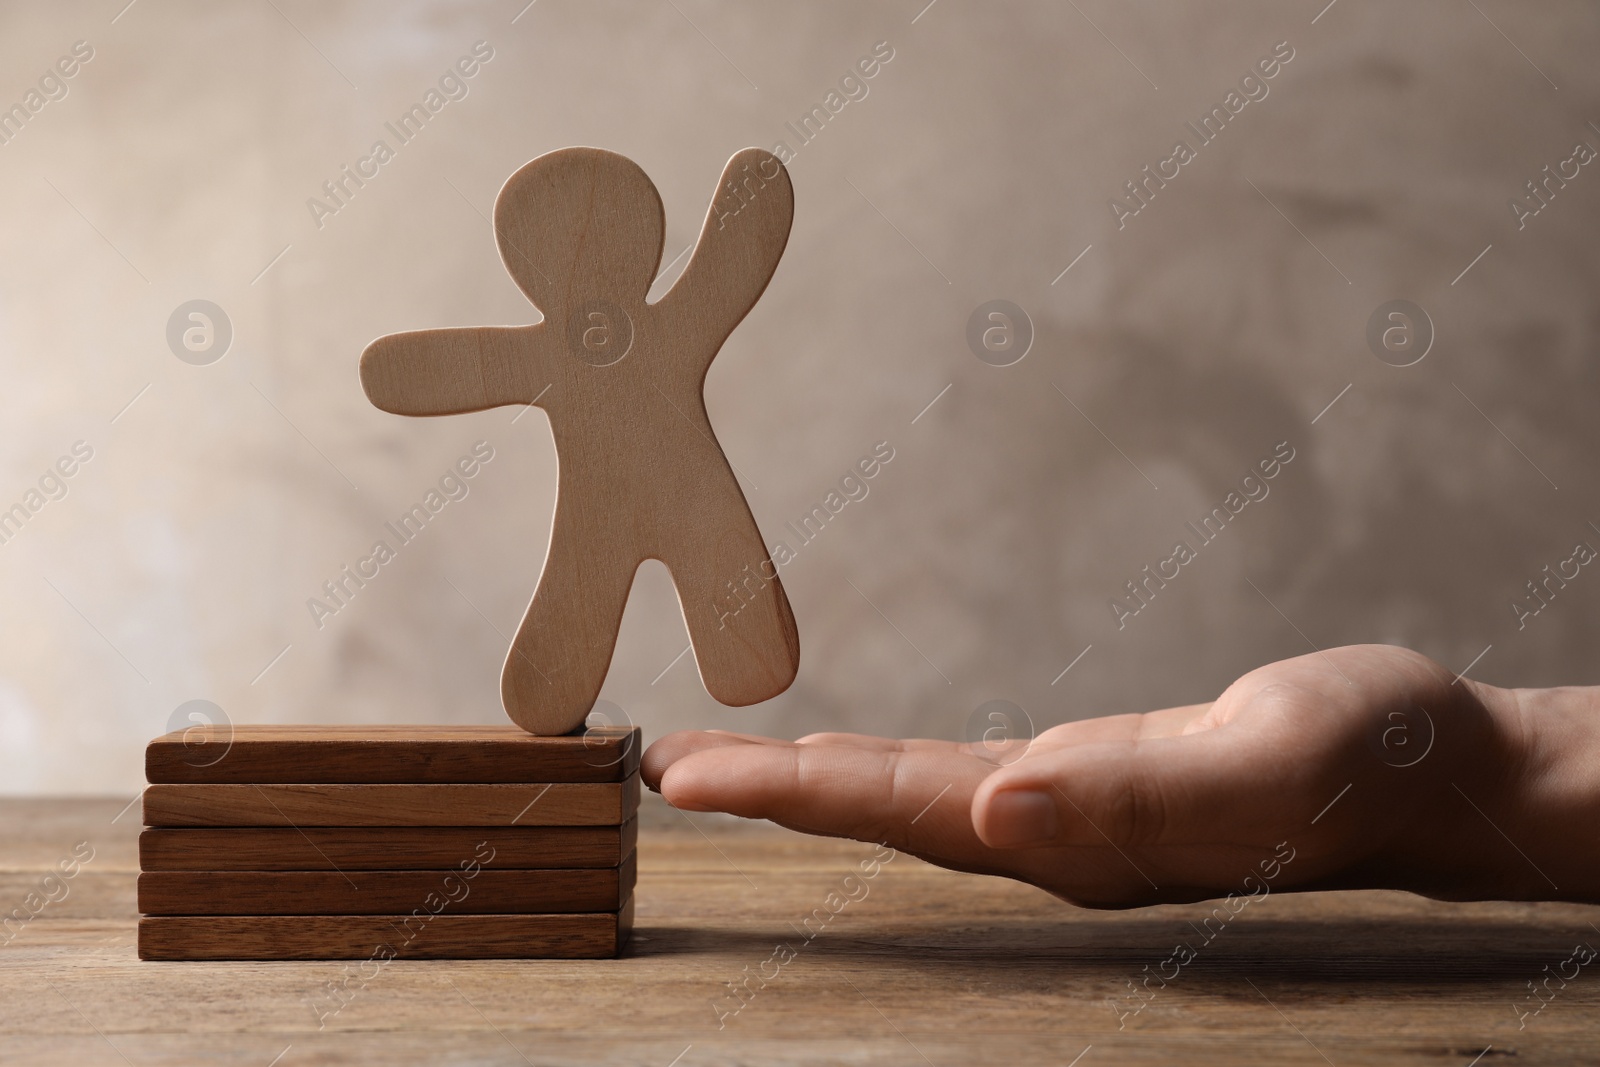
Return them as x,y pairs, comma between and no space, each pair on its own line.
740,624
562,650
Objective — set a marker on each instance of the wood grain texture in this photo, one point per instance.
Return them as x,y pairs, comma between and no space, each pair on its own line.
588,936
968,969
376,754
557,804
641,475
488,892
372,848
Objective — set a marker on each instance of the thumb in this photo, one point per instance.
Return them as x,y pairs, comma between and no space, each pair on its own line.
1212,787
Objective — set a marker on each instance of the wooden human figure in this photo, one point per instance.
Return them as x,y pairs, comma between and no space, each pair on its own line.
641,476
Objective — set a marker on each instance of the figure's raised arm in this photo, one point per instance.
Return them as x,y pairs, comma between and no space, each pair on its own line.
454,371
740,244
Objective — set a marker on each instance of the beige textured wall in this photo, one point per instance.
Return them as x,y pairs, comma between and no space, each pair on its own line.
1213,325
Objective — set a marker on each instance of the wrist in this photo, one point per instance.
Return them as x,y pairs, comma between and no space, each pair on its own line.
1541,824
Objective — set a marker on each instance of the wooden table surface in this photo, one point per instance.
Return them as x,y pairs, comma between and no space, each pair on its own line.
924,966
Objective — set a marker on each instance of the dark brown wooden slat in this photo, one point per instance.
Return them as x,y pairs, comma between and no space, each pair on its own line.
382,754
377,937
551,804
266,848
488,892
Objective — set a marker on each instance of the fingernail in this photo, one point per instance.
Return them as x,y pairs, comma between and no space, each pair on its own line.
1020,817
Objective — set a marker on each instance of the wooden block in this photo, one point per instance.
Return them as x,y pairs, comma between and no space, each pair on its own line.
488,892
553,804
421,848
380,937
641,475
264,754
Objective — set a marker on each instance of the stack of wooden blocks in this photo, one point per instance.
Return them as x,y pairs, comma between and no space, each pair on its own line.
421,842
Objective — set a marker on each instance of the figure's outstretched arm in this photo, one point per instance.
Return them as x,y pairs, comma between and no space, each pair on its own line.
740,244
454,371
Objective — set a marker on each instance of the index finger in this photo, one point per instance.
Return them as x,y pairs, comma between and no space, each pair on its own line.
917,800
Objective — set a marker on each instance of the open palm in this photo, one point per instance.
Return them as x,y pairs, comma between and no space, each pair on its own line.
1357,767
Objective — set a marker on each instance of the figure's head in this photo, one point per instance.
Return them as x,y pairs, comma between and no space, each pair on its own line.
580,220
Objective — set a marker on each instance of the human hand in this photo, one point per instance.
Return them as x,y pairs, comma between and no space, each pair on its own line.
1368,766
